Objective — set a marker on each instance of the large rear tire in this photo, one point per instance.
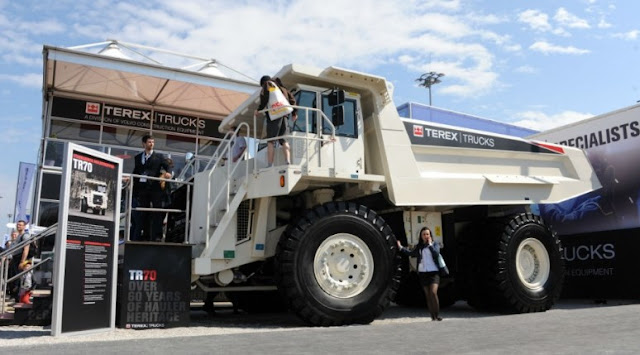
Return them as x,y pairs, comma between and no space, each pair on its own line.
338,265
514,264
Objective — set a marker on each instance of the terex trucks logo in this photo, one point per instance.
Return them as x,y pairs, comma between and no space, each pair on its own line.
418,131
92,108
126,112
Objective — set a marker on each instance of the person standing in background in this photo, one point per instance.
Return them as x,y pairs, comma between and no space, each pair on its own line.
25,261
147,192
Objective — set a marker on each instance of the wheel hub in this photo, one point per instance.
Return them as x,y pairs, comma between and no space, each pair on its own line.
343,265
532,263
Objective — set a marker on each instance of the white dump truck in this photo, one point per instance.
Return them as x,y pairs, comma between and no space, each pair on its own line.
94,196
322,230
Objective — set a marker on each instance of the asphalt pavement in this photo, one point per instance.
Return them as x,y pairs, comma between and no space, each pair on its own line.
572,327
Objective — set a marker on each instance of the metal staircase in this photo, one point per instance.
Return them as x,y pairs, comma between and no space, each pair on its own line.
39,312
232,190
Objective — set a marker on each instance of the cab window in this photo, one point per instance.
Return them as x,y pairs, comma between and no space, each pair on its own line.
307,99
350,126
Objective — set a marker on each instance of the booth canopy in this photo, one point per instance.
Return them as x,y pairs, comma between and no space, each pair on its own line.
73,72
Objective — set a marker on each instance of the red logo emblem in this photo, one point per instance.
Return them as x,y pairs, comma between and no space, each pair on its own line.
92,108
418,131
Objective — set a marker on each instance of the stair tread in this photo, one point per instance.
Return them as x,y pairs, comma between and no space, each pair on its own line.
6,315
22,306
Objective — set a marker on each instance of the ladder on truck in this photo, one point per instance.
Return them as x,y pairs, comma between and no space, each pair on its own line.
224,202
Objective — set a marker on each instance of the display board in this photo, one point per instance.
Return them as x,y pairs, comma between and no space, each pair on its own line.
86,244
155,289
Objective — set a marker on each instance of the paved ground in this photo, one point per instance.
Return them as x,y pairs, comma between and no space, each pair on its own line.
573,327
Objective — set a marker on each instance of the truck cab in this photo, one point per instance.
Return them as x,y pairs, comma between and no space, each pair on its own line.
346,118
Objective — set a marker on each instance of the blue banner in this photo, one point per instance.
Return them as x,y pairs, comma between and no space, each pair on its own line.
25,179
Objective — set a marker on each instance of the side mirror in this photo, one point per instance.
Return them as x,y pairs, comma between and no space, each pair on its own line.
336,97
337,115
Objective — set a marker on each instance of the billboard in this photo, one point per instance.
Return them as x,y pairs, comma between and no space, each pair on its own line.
612,144
600,231
129,116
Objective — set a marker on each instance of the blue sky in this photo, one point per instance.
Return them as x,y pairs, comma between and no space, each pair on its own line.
539,64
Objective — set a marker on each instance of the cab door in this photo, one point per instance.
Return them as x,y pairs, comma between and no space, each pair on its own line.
343,157
349,145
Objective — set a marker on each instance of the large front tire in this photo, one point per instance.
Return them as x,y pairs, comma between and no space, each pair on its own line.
516,265
338,265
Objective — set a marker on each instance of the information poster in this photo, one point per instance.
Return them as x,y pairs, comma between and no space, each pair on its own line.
86,243
155,286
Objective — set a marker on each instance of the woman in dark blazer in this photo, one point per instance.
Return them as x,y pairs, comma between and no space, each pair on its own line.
427,252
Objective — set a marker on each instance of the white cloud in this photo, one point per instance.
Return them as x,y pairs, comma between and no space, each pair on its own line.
548,48
630,36
513,48
527,69
462,79
559,31
31,80
311,32
565,18
603,24
536,19
541,121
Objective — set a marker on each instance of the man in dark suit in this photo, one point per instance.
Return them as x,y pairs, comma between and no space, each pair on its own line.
148,193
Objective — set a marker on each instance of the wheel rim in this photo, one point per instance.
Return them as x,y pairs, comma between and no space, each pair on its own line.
532,263
343,265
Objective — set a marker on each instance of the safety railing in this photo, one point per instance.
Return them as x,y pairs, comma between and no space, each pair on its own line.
7,255
319,133
189,168
128,186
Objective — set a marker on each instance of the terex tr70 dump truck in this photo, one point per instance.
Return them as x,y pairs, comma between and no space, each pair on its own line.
323,229
94,196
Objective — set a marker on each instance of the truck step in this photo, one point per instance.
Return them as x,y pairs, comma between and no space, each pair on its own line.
6,318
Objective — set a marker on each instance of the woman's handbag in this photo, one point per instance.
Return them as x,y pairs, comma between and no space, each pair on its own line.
444,270
278,104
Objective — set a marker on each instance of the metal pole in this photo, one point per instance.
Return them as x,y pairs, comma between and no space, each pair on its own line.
429,95
187,218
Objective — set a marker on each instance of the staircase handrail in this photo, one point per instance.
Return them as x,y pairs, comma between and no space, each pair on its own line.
230,165
4,261
35,237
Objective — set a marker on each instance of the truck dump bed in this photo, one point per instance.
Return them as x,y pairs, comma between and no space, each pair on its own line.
457,166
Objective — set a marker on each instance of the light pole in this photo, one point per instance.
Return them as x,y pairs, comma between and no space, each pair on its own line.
429,79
